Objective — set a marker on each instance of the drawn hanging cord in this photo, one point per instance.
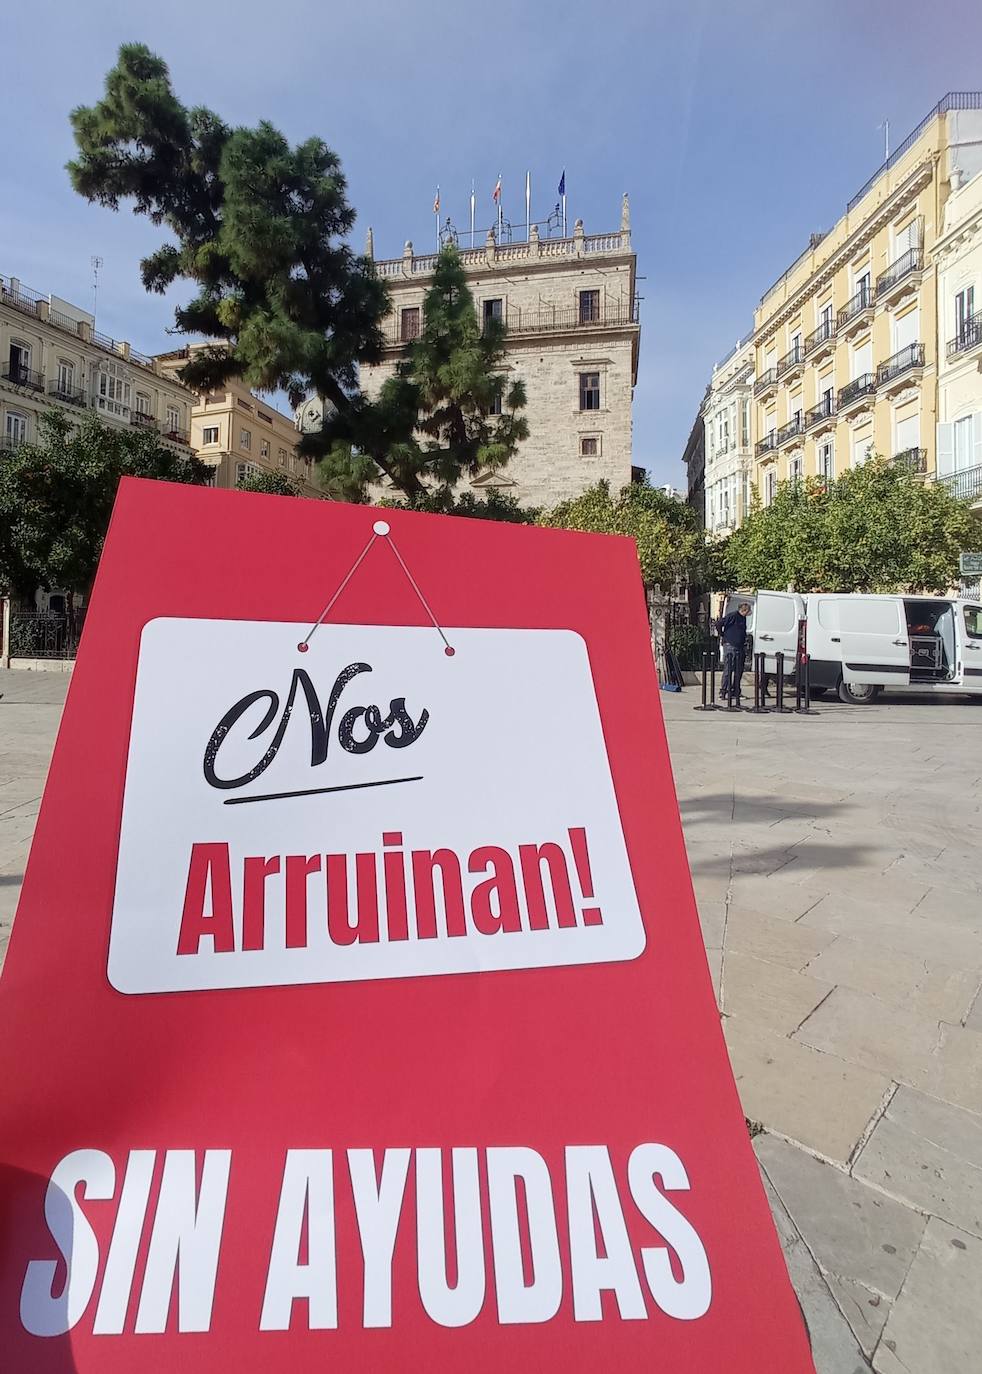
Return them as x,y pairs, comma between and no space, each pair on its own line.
380,530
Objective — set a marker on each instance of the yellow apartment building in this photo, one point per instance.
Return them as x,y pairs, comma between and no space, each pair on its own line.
846,342
239,435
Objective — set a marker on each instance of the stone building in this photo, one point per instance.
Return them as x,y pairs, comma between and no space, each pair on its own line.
571,311
53,358
729,451
846,341
958,256
240,435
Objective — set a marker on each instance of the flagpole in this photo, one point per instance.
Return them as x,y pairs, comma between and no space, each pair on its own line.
436,217
499,207
528,206
472,212
564,214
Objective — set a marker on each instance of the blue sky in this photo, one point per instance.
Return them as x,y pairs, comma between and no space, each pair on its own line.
737,129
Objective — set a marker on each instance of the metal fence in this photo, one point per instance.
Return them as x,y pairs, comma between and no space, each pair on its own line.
44,634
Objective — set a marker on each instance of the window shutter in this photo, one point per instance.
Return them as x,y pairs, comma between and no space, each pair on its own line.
977,439
946,449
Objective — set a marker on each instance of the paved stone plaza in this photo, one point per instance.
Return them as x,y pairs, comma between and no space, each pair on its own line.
835,865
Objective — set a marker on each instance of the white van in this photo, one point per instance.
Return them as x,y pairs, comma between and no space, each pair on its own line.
859,644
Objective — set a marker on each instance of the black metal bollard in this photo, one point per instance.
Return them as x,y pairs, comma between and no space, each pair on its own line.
779,705
759,676
805,673
712,680
797,683
705,683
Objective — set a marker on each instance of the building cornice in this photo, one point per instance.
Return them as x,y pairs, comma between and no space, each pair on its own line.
858,239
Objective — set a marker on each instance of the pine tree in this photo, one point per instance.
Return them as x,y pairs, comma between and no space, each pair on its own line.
260,228
448,412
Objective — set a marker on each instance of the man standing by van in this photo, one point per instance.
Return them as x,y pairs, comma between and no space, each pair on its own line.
733,637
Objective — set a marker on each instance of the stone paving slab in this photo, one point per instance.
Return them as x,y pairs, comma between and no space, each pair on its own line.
768,994
940,1059
817,1099
853,1231
834,1345
935,1326
925,987
929,1154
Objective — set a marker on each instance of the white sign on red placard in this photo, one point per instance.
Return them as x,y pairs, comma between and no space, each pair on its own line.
356,1013
323,849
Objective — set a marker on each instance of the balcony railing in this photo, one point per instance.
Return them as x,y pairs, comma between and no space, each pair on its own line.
765,381
71,395
9,443
142,420
855,308
179,436
825,333
825,410
20,297
23,376
544,321
857,390
766,445
907,360
913,459
790,431
965,485
911,261
967,338
790,360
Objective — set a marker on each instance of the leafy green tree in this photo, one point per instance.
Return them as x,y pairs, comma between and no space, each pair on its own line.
877,528
491,505
665,530
258,227
270,484
56,497
447,413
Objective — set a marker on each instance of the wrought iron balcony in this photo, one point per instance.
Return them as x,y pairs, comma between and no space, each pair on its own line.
179,436
967,338
792,362
766,445
71,395
9,444
896,370
142,419
767,381
857,311
965,485
823,413
792,430
23,376
821,340
858,392
902,275
913,459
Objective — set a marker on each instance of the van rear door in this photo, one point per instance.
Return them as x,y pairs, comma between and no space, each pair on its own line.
874,640
968,628
775,627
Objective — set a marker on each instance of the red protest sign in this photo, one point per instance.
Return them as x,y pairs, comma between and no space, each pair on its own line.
356,1011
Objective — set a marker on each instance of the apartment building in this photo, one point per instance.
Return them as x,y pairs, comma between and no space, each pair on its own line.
240,435
52,357
958,260
573,335
846,342
726,412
